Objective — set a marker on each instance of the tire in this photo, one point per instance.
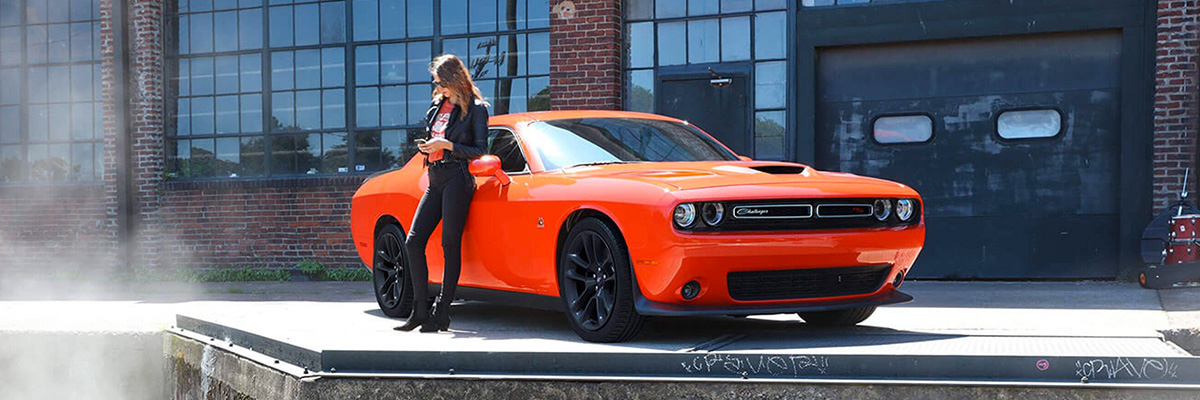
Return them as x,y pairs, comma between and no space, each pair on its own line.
595,283
393,286
847,317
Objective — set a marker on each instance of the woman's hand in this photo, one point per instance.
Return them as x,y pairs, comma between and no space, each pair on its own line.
436,144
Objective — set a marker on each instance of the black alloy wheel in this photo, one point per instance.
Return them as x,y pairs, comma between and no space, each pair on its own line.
393,287
596,285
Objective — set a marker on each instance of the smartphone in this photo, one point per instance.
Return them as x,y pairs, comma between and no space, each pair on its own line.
419,141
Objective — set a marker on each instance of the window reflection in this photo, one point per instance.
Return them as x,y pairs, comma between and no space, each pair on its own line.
1029,124
903,129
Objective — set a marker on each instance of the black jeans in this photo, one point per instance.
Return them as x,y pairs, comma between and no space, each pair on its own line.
447,199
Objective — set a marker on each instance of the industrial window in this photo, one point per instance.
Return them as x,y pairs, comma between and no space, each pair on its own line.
50,98
1029,124
307,87
671,33
903,129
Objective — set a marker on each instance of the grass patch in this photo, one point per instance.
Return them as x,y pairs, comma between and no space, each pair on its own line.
317,271
240,274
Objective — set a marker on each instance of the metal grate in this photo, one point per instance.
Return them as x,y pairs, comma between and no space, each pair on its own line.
806,283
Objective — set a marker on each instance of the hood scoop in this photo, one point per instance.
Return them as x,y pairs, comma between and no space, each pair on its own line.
779,169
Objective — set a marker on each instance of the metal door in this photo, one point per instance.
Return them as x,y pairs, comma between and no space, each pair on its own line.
719,105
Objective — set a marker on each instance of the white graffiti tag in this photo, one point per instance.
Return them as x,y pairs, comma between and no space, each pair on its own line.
743,365
1127,368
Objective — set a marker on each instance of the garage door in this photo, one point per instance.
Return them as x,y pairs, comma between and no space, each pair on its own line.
1012,142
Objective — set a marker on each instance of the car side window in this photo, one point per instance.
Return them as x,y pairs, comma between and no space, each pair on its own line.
503,144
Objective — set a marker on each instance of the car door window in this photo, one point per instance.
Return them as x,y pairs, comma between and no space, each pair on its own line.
503,144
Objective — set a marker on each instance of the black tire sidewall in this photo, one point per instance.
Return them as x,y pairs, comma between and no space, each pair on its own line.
625,322
403,307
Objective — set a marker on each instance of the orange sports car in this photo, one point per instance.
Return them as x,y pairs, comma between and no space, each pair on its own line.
616,216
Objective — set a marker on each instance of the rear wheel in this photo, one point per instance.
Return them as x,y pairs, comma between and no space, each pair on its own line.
596,283
847,317
393,287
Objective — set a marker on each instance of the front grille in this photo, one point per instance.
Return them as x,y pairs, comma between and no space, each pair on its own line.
795,284
802,214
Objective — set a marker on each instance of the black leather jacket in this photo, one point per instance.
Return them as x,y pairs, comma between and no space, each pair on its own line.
469,135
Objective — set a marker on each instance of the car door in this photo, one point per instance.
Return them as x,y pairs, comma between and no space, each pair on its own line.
500,217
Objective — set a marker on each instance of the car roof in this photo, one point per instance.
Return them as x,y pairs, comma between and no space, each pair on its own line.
527,117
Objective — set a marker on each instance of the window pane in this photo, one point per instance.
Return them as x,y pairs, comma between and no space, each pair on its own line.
669,9
12,164
508,13
35,44
60,122
366,65
59,47
333,108
183,117
454,17
392,13
81,83
202,159
482,61
483,15
641,91
253,157
283,154
250,29
224,4
366,19
39,123
393,106
307,21
225,27
226,74
82,164
10,12
418,103
639,9
513,57
308,109
418,61
1029,124
420,18
735,39
60,83
770,35
366,151
251,75
539,14
457,47
702,7
282,70
334,156
228,158
539,53
770,84
704,41
333,22
670,37
641,45
391,64
283,111
308,149
770,4
81,41
10,46
81,121
227,110
251,113
37,84
733,6
514,97
367,107
10,125
769,139
539,94
308,69
333,67
903,129
281,26
201,35
202,116
202,76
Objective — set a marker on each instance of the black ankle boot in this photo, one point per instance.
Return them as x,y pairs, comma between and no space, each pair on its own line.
439,319
420,315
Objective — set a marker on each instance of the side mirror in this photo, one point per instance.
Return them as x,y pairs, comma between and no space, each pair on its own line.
489,165
745,158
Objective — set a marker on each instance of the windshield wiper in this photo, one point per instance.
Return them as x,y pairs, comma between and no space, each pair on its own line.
588,164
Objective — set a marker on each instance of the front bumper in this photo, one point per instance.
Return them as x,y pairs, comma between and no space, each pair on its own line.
646,306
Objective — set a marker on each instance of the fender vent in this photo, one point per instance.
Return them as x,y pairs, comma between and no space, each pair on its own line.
779,169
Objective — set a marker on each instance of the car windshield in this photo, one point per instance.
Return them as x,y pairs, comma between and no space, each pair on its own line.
571,142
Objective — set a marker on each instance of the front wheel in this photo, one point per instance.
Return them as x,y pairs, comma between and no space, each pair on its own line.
393,287
847,317
596,284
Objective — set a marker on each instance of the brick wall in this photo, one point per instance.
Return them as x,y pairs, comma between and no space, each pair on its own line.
585,54
54,228
1175,99
146,129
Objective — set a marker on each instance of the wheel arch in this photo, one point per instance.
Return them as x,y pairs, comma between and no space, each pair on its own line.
381,222
578,215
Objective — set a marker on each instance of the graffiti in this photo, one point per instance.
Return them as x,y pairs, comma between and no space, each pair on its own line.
745,365
1127,368
1043,365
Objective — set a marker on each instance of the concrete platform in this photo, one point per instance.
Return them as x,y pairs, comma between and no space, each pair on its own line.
977,333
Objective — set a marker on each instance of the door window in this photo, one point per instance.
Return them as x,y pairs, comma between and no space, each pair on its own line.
1029,124
503,144
903,129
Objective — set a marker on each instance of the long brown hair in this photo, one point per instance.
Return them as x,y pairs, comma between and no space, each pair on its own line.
455,76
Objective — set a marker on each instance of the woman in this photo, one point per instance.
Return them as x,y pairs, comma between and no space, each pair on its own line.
456,124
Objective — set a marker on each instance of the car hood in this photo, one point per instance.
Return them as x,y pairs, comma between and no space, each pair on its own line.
704,175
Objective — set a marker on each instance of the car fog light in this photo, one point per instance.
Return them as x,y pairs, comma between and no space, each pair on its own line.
883,209
905,208
690,290
713,213
685,215
899,280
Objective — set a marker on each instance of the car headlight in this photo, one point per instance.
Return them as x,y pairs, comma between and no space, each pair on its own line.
882,209
905,208
685,215
713,213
